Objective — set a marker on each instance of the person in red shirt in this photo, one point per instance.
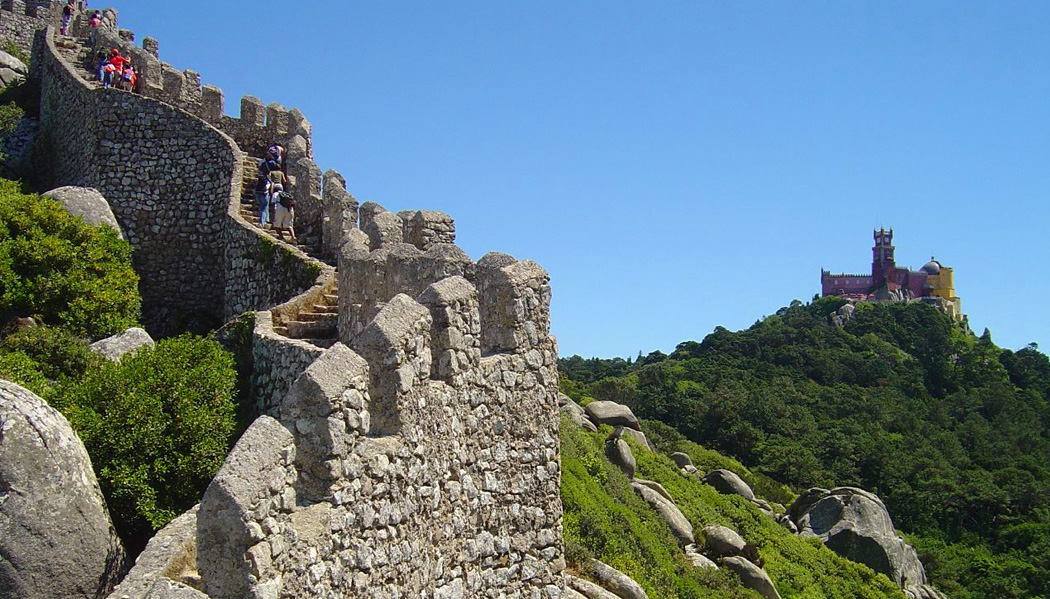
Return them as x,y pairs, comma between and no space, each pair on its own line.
115,68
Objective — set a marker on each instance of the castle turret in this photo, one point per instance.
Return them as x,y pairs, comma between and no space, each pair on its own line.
882,261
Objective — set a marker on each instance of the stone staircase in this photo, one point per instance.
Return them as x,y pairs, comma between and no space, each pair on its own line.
317,325
311,245
76,52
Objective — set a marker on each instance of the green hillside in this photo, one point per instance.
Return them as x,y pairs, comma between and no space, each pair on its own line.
606,519
950,430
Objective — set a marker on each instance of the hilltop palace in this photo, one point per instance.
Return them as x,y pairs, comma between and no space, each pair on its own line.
933,283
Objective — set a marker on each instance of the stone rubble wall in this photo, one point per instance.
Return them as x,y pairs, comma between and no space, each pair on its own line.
168,554
277,362
167,176
339,214
261,271
20,20
404,463
173,182
375,268
415,458
257,127
424,228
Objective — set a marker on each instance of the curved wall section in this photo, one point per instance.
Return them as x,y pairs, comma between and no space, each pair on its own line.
167,176
173,182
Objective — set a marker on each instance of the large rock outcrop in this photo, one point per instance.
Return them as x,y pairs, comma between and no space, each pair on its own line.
575,413
612,579
751,576
619,452
56,538
728,482
117,346
661,501
612,413
12,70
87,203
856,525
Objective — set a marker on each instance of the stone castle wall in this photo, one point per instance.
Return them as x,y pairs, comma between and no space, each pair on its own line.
257,127
167,176
173,182
20,20
419,457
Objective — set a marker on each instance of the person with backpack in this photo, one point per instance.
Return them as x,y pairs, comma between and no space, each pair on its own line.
283,212
129,78
114,69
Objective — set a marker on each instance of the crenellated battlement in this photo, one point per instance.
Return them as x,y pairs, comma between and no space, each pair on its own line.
257,125
416,456
427,436
39,9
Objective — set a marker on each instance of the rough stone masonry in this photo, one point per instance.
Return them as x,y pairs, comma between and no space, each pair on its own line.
419,459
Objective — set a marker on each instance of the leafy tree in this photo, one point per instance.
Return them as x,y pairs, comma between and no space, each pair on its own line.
157,426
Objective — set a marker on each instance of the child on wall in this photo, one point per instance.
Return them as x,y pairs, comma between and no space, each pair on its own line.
128,77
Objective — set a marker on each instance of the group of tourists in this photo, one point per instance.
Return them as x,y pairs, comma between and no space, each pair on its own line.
272,194
114,69
111,68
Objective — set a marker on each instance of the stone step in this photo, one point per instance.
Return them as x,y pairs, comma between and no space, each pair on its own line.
332,299
319,330
322,343
325,309
317,317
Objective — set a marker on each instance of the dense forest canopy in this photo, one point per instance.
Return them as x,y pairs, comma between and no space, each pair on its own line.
949,429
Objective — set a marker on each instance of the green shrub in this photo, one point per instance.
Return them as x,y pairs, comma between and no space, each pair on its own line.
24,370
67,273
157,426
59,352
41,357
10,114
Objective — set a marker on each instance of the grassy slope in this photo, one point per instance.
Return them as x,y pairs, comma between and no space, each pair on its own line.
605,519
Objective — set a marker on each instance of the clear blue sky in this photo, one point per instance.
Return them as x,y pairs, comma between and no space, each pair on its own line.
674,165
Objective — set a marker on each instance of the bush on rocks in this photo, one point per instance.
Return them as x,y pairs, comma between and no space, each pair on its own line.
59,353
157,426
67,273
